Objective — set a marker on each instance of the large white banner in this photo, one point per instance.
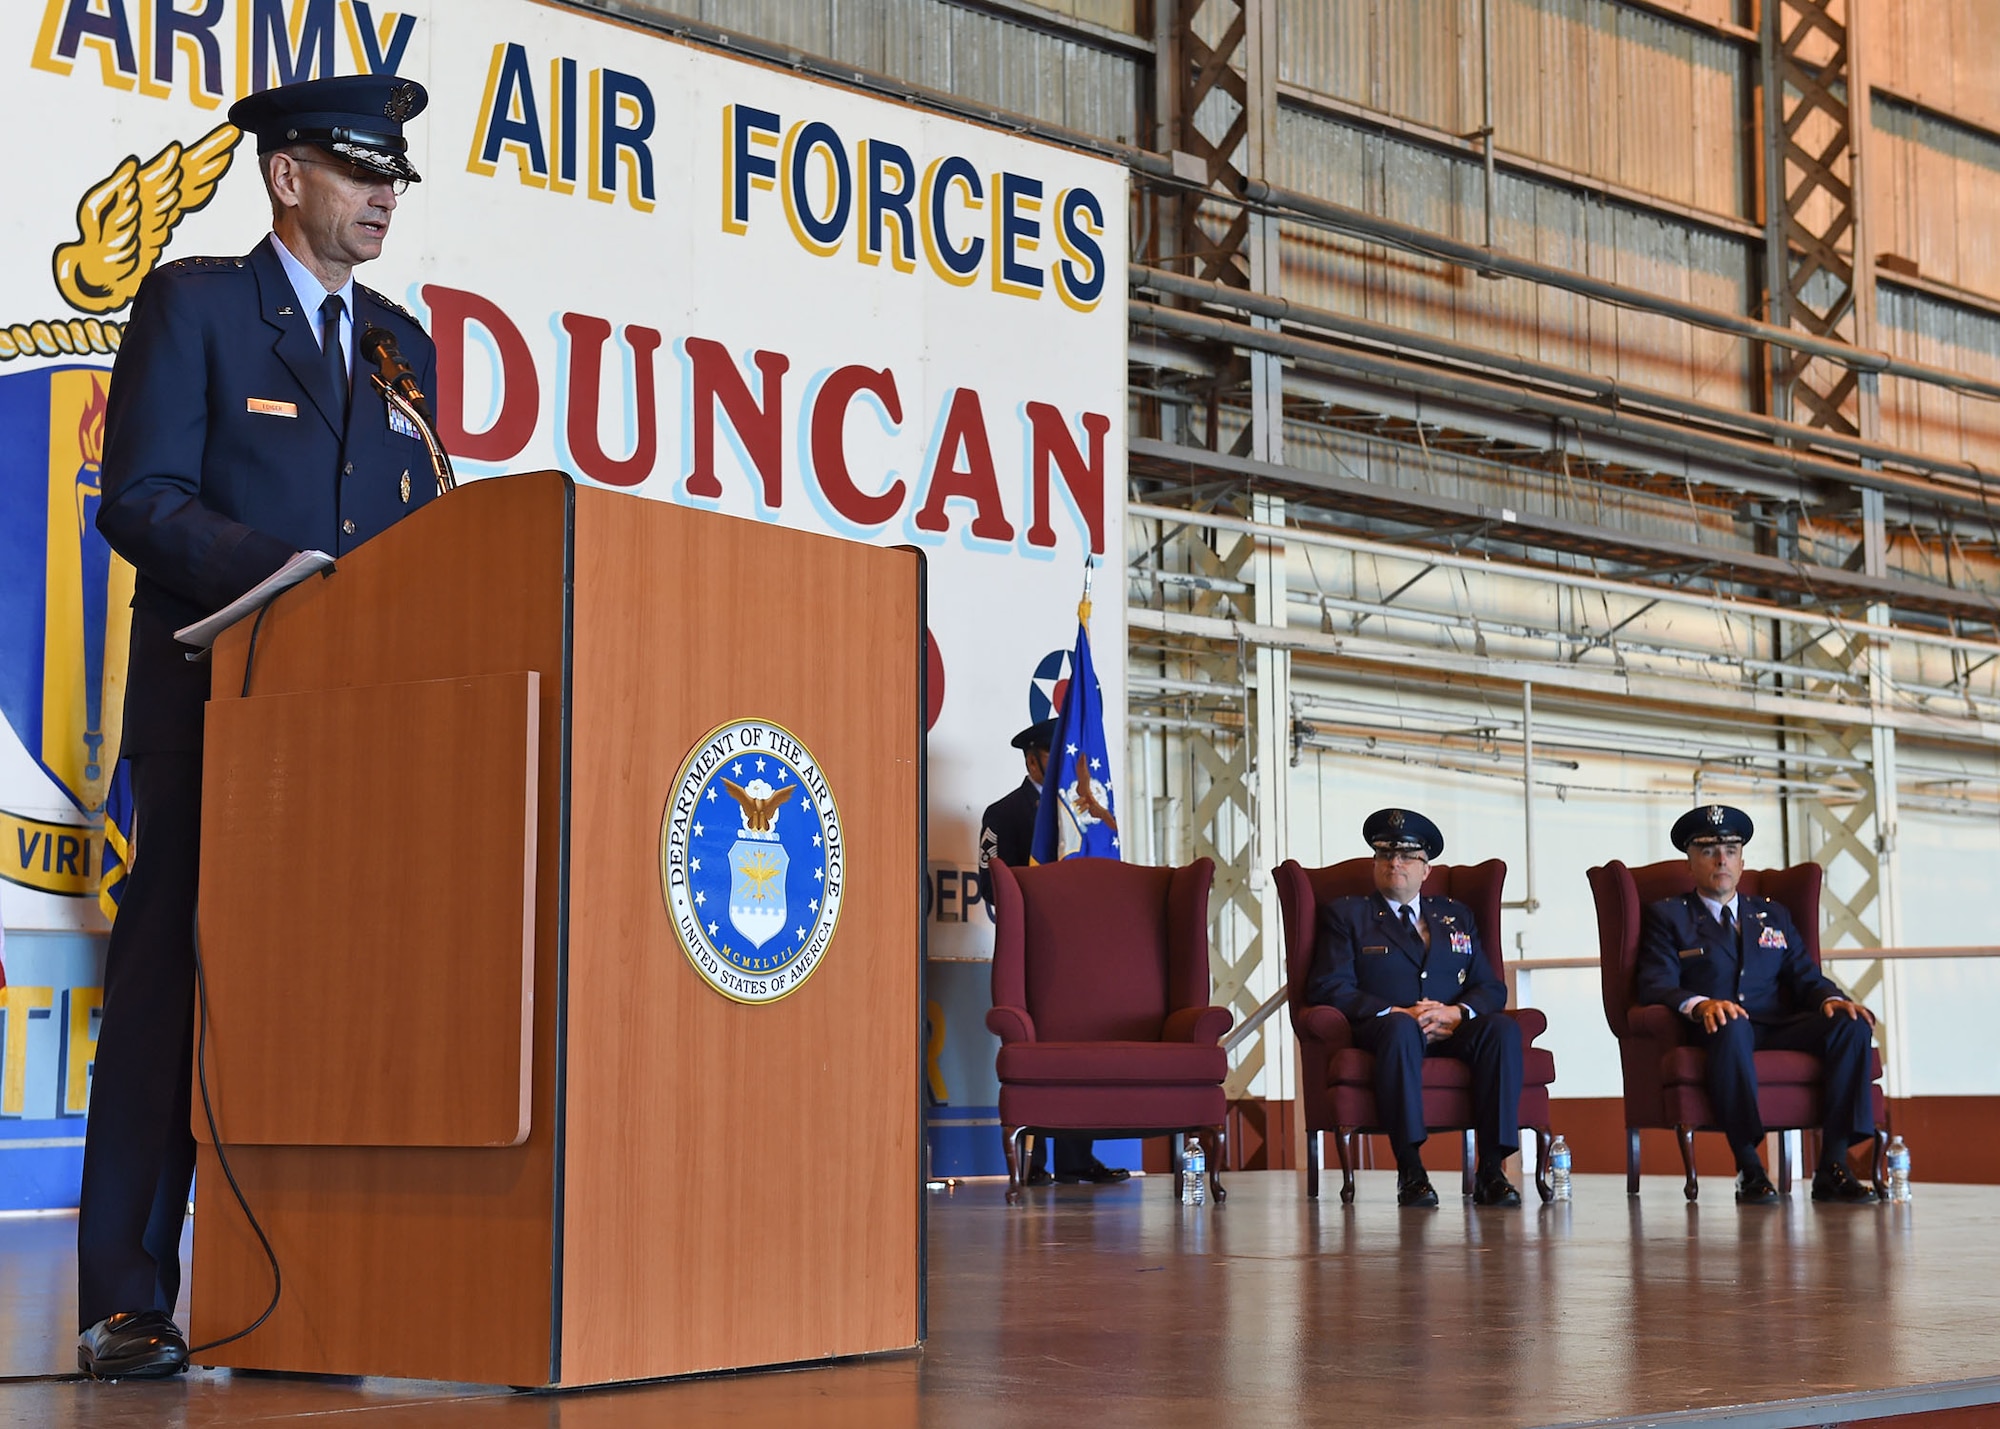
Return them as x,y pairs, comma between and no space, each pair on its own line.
654,266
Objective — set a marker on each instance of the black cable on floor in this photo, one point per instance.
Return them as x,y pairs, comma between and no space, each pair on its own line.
201,1075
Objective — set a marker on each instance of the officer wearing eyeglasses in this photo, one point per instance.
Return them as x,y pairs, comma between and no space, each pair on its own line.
1735,966
240,430
1408,972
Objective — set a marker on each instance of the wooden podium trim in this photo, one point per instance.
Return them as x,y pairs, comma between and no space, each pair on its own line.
337,848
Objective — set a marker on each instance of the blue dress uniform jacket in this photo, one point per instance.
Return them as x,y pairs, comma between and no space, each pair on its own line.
226,451
1366,961
227,448
1684,952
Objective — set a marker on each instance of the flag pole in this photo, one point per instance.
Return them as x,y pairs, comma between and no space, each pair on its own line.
1083,606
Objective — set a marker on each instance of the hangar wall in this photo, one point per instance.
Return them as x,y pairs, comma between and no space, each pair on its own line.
1276,697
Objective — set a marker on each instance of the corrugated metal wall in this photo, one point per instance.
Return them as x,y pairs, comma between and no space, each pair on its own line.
1079,83
1591,85
1551,223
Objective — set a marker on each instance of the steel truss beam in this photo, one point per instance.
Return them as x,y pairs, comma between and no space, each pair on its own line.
1819,277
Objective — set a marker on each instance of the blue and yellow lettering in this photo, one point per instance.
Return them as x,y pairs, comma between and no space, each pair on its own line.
166,31
887,205
816,233
68,25
1017,228
508,119
1079,224
562,124
378,45
745,130
621,121
274,47
957,266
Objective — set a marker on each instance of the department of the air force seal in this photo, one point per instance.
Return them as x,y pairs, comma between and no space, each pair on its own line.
751,860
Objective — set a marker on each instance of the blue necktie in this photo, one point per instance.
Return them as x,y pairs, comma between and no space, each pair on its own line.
332,353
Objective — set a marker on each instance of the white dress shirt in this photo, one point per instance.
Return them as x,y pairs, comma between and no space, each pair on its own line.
311,293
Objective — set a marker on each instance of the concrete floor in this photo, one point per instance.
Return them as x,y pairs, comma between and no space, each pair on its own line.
1115,1305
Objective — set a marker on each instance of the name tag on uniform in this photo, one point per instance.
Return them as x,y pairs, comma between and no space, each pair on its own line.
1461,944
1769,937
402,425
1374,952
270,407
1694,952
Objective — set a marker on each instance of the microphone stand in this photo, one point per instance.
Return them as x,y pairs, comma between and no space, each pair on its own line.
441,470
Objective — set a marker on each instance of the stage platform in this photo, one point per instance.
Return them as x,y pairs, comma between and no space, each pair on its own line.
1117,1306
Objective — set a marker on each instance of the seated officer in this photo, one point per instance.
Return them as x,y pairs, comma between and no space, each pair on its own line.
1409,975
1736,967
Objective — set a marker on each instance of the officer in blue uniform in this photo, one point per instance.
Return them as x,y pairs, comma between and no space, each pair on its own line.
1007,832
1736,968
1410,976
241,429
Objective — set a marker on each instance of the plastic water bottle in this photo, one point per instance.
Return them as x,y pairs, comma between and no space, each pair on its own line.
1899,1170
1559,1168
1194,1173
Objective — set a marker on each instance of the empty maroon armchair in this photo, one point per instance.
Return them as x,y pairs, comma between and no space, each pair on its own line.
1666,1073
1338,1078
1100,1001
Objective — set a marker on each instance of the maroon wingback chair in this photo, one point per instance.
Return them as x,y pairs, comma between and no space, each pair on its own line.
1666,1074
1339,1078
1100,1001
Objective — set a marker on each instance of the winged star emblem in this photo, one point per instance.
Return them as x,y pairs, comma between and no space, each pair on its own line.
126,218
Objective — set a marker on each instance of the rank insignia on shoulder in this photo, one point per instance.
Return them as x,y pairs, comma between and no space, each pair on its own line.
390,303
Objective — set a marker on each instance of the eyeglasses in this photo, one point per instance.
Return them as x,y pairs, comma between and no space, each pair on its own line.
361,178
1403,857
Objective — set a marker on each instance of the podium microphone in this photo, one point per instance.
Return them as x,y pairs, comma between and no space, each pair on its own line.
398,386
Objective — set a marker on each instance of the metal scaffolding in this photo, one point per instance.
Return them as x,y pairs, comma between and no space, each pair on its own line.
1820,278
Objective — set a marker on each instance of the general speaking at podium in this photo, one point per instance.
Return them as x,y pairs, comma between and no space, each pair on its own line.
237,435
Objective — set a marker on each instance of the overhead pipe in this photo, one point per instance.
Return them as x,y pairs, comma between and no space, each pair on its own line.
1732,451
1616,394
1549,575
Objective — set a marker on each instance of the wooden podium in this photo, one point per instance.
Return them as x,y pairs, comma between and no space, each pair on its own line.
498,1127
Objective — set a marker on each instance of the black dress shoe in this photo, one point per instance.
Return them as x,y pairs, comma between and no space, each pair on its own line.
1495,1190
1414,1191
1095,1174
1038,1177
1837,1183
132,1345
1754,1188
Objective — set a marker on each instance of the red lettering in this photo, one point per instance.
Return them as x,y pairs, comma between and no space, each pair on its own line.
759,426
965,431
587,336
829,448
452,311
1085,479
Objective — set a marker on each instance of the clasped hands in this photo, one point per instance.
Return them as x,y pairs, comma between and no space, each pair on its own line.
1438,1020
1712,1012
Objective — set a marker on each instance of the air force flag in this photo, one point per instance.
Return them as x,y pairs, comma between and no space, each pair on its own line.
1076,817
